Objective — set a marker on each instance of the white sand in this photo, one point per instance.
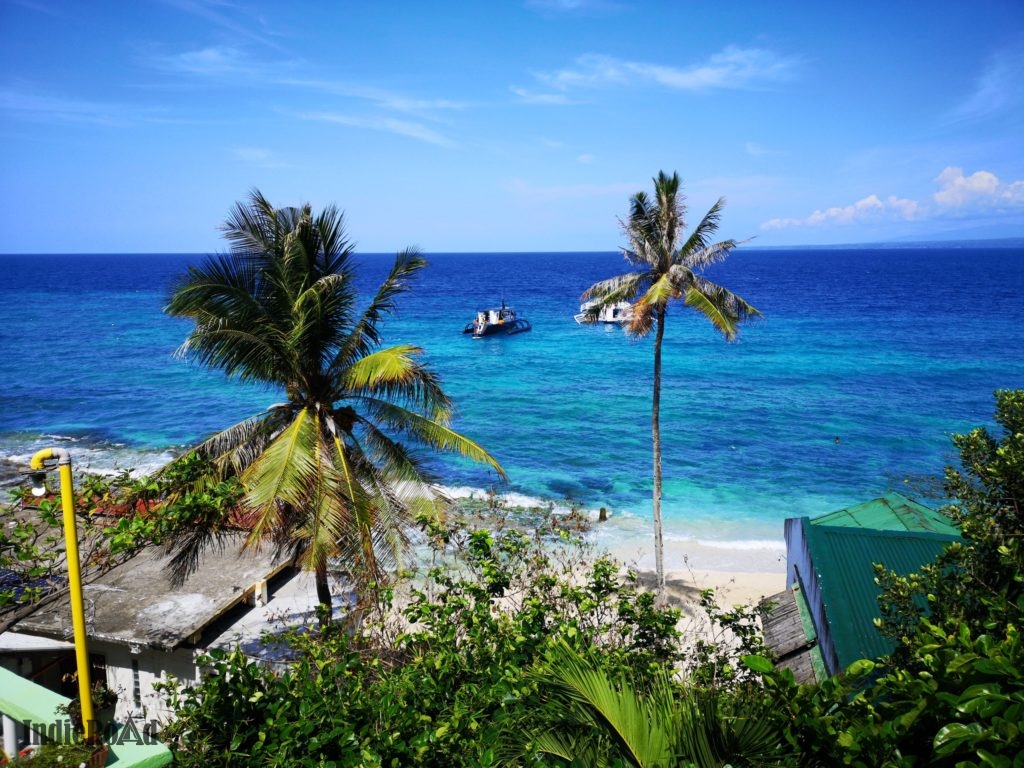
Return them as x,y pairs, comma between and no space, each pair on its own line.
739,575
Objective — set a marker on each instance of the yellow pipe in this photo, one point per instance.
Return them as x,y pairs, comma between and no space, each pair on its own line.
67,500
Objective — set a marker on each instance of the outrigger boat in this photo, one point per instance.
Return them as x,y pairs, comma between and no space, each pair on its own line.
503,319
620,312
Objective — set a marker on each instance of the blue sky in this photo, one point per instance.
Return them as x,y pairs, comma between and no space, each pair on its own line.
508,126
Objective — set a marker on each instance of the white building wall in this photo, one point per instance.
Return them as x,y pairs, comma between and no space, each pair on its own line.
150,666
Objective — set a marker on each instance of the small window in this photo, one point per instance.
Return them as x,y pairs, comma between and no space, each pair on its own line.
136,686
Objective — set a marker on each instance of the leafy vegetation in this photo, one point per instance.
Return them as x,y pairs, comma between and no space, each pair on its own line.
438,677
502,656
952,694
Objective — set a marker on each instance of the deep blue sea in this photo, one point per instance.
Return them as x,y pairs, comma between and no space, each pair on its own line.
865,363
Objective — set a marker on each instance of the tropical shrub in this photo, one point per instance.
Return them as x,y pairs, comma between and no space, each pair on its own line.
952,694
437,671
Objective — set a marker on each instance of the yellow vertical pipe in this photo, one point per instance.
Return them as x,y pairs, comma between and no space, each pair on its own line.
67,500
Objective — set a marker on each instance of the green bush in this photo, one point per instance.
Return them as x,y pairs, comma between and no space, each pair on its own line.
439,682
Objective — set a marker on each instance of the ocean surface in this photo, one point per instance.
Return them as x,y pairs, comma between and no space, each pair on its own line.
865,363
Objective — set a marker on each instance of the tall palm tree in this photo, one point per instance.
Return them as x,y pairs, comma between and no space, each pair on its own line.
324,473
669,268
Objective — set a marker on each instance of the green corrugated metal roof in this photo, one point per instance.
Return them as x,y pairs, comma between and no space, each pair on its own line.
891,512
843,559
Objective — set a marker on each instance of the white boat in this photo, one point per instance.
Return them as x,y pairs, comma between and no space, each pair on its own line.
503,319
620,312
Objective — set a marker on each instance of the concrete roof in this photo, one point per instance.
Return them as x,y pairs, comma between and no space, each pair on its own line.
292,605
135,604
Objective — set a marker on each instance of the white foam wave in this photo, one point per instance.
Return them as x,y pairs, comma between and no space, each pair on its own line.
745,545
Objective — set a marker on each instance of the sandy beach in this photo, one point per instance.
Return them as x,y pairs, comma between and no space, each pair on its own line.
739,576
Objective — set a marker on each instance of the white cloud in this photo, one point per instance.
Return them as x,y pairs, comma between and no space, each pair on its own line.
732,67
586,159
384,125
870,208
981,188
981,191
906,208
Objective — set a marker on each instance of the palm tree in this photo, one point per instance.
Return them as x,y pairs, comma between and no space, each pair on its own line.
324,473
669,268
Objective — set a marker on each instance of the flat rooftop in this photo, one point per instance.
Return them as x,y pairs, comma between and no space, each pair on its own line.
136,604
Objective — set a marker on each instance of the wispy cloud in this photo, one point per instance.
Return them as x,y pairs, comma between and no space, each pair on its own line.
258,157
215,62
570,6
378,97
997,88
568,191
533,97
233,65
759,150
981,192
732,67
253,28
382,124
27,103
45,8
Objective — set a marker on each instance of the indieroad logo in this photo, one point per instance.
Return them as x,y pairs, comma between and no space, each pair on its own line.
115,734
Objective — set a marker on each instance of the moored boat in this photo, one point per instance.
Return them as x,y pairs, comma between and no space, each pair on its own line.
620,312
503,319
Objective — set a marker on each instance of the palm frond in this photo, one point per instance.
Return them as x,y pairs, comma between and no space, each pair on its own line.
233,329
392,458
284,473
336,248
357,546
721,306
188,546
700,236
432,433
395,374
254,226
640,730
325,520
365,336
619,288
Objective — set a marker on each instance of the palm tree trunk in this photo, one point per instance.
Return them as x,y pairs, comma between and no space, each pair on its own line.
659,551
323,595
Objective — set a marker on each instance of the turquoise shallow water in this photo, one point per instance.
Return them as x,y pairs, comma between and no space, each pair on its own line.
888,350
